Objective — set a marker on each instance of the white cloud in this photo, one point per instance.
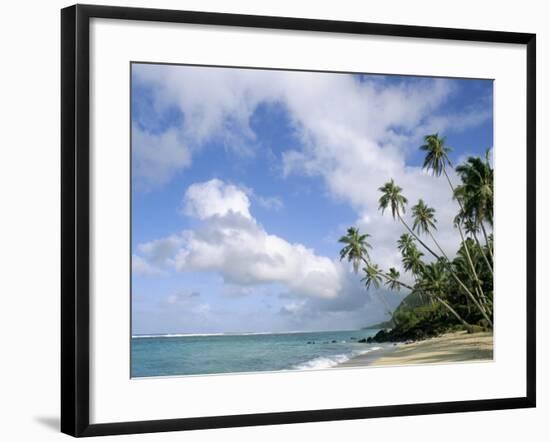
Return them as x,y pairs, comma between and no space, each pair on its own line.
232,243
269,202
141,267
183,298
215,198
157,157
189,302
160,251
355,134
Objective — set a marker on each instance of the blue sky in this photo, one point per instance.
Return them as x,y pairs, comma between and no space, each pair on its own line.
243,181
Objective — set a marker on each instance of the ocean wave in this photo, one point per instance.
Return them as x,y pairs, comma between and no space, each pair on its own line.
186,335
322,362
176,335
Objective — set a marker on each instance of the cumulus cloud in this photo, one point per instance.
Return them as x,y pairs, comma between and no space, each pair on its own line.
215,198
190,302
142,267
160,251
269,202
157,157
183,297
231,242
333,109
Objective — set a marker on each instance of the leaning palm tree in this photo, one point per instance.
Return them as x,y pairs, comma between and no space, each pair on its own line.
392,280
424,222
461,267
405,241
435,281
437,154
436,160
412,260
392,198
391,277
356,247
356,250
476,193
471,228
372,276
477,188
423,217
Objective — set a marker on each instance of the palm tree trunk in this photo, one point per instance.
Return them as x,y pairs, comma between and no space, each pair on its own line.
453,311
456,278
416,236
445,304
489,266
470,262
487,241
469,258
479,293
386,305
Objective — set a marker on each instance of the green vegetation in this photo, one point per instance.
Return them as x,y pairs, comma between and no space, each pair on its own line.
444,294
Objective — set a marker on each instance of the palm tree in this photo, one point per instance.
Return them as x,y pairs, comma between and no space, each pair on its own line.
471,227
437,154
405,241
476,193
461,266
436,160
392,198
372,276
424,222
424,217
412,260
477,188
435,281
356,249
392,280
411,257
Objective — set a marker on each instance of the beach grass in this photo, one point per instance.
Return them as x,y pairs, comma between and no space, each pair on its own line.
447,348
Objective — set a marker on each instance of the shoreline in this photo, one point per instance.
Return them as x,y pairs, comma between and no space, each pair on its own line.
447,348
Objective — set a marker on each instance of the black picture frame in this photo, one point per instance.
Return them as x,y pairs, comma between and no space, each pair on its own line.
75,212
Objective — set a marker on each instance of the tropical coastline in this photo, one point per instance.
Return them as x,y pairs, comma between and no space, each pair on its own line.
447,348
353,250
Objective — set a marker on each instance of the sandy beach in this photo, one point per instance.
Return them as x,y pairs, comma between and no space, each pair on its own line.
451,347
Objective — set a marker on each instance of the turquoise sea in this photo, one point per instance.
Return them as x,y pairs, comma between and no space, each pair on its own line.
195,354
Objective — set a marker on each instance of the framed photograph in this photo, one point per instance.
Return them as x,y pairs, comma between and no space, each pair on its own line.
272,220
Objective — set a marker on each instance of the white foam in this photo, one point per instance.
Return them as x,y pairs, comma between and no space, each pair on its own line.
331,361
185,335
176,335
